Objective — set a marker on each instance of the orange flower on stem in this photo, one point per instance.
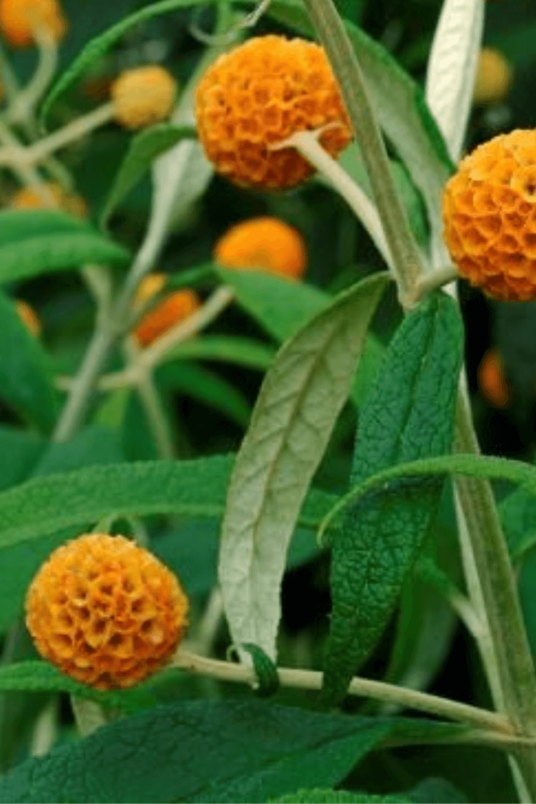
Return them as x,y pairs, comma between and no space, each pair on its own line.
173,309
20,20
489,215
260,94
143,96
105,611
264,243
492,381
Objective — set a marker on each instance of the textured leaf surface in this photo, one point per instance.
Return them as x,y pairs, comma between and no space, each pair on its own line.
25,376
33,243
144,148
409,414
97,47
196,488
400,106
452,69
326,796
253,750
296,410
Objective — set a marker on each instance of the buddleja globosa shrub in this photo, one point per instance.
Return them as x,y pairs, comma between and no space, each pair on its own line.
250,547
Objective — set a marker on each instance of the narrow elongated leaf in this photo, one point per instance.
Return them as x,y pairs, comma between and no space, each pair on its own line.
144,148
296,410
197,488
34,242
280,306
224,348
25,376
409,414
400,106
234,739
97,47
452,69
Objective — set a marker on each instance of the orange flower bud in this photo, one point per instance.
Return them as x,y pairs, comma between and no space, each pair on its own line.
105,611
28,316
259,94
143,96
149,286
19,20
492,381
263,243
170,311
493,77
49,196
489,215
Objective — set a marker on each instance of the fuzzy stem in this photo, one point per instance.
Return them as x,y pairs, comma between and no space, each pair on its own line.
24,104
407,260
377,690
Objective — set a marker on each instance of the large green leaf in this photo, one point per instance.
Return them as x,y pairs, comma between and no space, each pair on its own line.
25,376
326,796
24,450
144,148
399,104
98,47
219,751
409,414
34,242
195,488
298,405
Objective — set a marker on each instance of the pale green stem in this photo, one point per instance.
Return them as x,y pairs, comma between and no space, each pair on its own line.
307,144
434,280
89,716
407,260
377,690
23,106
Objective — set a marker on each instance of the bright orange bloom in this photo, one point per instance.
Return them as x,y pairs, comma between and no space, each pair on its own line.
143,96
489,215
259,94
28,317
173,309
263,243
493,77
20,19
492,382
105,611
49,196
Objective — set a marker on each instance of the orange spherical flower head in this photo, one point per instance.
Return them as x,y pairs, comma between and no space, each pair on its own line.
258,95
105,611
143,96
20,20
492,381
493,77
489,215
49,196
265,243
149,286
29,317
170,311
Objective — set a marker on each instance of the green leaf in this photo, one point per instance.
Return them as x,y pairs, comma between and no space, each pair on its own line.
409,414
35,676
24,450
279,305
253,750
399,104
32,243
265,670
207,388
225,348
322,796
25,376
298,405
99,46
144,148
194,488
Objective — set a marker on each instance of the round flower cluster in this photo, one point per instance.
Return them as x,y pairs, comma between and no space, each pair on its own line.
260,94
173,309
263,243
105,611
493,77
21,19
143,96
492,381
489,215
